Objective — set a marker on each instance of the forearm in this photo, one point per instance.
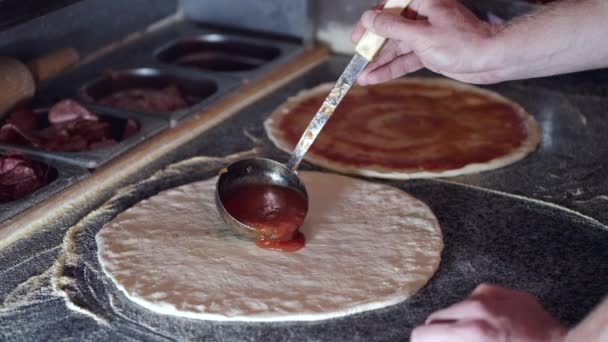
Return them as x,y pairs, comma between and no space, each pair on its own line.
568,36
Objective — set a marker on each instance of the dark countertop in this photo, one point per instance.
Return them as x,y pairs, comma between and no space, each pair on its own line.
537,225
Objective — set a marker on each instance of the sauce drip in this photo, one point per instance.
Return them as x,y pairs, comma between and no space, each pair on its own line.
276,212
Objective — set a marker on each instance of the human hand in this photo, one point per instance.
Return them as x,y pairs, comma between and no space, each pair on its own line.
491,313
441,35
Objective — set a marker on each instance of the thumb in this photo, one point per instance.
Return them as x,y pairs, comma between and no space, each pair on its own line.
392,26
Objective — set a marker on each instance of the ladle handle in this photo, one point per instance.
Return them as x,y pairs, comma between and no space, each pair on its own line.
370,43
366,50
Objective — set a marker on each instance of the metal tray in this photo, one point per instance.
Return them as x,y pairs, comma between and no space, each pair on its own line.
243,56
199,90
144,54
218,52
65,175
148,126
138,60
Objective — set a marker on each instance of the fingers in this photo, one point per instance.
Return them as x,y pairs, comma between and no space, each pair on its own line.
359,29
357,32
393,26
470,331
476,307
490,290
389,52
477,304
467,310
398,67
491,313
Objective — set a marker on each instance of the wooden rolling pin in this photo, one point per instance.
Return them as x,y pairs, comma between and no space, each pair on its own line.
18,81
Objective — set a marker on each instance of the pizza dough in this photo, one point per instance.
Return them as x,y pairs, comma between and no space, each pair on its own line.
409,128
368,246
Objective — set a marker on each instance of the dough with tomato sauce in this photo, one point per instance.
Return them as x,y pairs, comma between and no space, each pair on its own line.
409,128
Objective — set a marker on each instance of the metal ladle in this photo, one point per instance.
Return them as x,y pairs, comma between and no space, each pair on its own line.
262,171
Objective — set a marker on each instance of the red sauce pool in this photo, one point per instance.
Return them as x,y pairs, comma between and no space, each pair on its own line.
276,212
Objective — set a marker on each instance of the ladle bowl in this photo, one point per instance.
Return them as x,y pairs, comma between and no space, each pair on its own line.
259,171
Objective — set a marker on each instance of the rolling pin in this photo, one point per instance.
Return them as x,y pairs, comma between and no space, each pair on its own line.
18,80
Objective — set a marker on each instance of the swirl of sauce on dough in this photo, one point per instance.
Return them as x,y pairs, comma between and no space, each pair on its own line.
413,127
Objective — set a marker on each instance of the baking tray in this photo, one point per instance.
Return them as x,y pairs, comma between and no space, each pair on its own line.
147,53
137,58
66,174
245,57
198,89
148,126
217,52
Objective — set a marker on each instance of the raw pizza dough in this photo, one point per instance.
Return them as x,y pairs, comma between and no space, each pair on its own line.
409,128
368,246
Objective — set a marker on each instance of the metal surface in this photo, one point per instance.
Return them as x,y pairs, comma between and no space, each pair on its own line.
138,61
241,54
337,93
199,90
218,52
291,17
145,53
253,171
64,175
13,12
85,25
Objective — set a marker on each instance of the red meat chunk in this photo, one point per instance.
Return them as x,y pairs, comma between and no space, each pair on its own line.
19,176
147,100
71,128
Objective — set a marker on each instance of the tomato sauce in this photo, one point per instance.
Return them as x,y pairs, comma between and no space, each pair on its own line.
411,127
276,212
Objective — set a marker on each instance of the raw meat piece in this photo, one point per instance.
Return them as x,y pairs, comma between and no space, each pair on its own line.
20,176
71,128
69,110
147,100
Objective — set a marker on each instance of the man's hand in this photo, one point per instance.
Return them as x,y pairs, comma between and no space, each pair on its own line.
491,313
441,35
445,37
